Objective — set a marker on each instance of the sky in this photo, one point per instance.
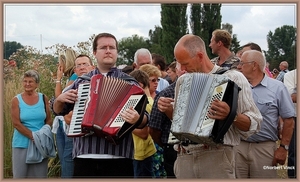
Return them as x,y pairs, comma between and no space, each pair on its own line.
44,25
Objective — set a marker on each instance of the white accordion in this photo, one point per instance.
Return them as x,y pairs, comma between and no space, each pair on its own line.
194,93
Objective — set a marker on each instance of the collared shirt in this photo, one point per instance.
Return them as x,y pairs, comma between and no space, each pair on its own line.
94,144
159,120
247,106
273,100
230,63
162,84
281,74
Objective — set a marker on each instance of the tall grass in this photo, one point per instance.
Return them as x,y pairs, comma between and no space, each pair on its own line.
12,87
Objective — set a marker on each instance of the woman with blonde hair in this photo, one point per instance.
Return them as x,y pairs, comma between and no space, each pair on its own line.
154,73
64,144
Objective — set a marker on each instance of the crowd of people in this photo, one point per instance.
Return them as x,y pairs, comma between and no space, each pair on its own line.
261,137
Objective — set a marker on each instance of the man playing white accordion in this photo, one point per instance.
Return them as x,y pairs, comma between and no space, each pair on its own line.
212,161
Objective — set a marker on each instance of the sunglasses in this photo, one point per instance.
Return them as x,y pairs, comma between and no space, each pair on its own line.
154,80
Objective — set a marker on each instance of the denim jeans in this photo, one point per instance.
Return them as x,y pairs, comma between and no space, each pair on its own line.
64,146
143,168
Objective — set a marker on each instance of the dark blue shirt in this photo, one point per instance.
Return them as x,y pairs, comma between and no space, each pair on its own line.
159,120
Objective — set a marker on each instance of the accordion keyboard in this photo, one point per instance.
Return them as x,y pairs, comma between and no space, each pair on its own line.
78,111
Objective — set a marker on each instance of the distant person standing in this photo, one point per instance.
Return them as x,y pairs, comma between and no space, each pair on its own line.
141,56
267,70
283,66
172,72
160,62
64,144
254,46
220,43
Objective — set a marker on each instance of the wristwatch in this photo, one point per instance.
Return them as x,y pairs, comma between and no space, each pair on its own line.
286,147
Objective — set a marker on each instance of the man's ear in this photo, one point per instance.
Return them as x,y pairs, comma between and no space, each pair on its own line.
158,66
134,66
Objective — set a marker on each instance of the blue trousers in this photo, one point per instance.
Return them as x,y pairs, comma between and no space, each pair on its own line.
143,168
64,146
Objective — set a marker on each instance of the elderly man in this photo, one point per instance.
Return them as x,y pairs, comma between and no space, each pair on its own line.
257,156
210,161
143,56
283,66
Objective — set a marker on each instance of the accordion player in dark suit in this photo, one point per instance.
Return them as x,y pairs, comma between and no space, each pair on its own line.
201,160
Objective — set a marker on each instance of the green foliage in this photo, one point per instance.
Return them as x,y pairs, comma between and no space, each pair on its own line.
204,19
128,46
195,19
155,40
174,26
235,44
10,47
282,46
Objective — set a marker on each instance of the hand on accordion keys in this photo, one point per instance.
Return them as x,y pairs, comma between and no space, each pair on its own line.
218,110
130,115
69,96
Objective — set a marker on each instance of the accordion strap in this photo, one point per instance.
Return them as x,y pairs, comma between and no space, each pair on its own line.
229,120
85,77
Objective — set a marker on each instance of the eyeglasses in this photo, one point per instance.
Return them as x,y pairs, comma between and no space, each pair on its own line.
242,63
154,80
83,64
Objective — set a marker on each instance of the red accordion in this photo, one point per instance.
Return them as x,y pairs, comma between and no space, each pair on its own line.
107,98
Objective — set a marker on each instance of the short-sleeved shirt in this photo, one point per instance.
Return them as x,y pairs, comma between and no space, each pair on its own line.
273,100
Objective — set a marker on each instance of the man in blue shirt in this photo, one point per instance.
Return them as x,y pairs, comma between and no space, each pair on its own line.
258,156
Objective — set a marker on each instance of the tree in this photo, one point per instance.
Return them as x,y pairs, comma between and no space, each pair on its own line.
128,46
204,19
10,48
174,26
155,40
282,46
195,19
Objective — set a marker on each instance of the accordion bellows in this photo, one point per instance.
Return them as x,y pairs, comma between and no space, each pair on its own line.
107,98
194,93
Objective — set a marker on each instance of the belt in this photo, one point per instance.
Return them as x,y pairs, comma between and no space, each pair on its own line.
257,142
187,142
200,147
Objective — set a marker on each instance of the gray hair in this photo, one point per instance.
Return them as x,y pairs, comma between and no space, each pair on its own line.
142,51
32,74
256,56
